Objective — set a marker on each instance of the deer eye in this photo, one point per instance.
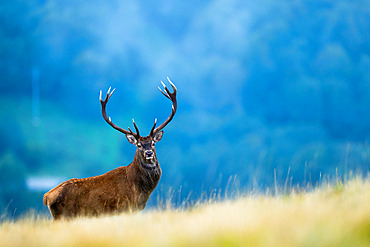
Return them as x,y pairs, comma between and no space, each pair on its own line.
153,144
139,145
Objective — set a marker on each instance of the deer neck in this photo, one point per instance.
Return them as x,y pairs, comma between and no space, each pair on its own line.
145,173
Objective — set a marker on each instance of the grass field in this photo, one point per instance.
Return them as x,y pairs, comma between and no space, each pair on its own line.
331,215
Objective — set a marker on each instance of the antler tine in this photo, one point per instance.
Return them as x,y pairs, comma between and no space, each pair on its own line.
137,129
172,97
104,113
166,91
111,92
172,85
153,128
131,132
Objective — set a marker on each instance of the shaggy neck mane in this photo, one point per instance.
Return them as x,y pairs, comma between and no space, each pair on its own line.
145,179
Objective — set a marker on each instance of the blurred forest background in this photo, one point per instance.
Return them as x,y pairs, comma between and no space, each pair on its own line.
263,86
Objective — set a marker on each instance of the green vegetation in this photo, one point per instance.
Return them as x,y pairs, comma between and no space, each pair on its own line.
329,215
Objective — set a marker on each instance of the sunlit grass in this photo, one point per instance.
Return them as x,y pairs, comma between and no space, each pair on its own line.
335,214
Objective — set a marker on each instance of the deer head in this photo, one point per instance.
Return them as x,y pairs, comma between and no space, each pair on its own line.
145,145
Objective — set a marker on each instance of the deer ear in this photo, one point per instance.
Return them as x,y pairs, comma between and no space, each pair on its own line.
131,139
158,136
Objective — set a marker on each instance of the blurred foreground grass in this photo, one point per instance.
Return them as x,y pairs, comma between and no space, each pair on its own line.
331,215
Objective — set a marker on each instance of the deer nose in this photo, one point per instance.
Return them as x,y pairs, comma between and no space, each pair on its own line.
148,153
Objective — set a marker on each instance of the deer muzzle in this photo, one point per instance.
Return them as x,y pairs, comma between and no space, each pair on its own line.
149,154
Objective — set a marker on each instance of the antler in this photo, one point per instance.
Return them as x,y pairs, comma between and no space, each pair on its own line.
108,119
172,97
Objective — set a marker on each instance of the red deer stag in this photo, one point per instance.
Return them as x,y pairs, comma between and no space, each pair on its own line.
126,188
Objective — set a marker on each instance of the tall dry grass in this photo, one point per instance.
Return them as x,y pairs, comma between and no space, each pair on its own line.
330,215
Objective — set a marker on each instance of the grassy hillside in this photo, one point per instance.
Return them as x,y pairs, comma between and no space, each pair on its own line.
328,216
